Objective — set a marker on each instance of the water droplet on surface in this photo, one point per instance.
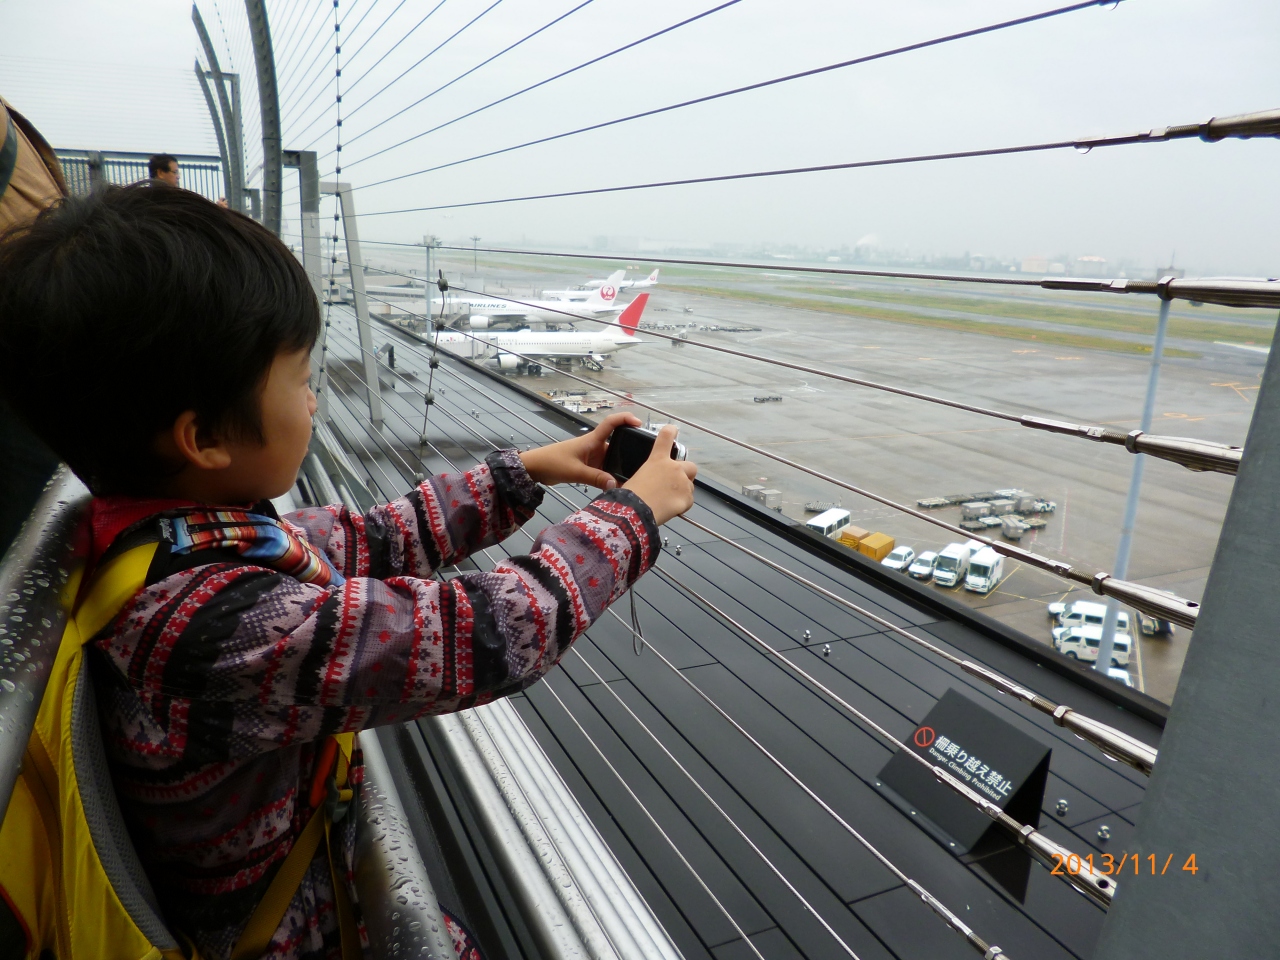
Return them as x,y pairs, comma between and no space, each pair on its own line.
7,685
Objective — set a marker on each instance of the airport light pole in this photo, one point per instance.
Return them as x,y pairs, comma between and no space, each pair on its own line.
1121,569
475,242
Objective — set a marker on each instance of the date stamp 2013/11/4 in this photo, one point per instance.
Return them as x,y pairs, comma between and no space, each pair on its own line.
1129,863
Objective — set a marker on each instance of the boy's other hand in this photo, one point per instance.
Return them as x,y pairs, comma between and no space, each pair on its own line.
666,485
579,459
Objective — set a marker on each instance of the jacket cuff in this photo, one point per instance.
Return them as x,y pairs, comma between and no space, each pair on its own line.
515,486
646,541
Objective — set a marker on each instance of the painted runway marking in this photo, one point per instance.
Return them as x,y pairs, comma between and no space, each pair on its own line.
1239,388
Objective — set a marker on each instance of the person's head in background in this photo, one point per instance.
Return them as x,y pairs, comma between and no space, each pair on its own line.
164,166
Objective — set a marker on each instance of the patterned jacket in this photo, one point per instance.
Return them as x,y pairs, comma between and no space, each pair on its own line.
219,678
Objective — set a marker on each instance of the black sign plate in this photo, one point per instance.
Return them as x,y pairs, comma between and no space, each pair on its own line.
1000,762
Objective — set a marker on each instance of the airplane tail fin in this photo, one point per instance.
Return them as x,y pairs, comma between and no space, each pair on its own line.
653,277
604,295
630,318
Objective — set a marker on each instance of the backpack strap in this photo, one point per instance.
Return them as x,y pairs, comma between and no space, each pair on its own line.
256,936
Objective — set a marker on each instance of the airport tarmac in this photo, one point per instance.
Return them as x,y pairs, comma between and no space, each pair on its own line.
906,449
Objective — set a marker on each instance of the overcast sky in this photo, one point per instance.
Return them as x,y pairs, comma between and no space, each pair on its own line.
116,75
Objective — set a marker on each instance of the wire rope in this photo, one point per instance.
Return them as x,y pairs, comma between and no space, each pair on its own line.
395,46
378,29
303,77
1100,889
1110,740
387,53
467,73
1156,135
423,59
565,73
1159,603
654,822
763,84
950,918
1194,454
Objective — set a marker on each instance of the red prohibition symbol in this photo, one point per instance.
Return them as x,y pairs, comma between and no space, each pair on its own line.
924,736
607,292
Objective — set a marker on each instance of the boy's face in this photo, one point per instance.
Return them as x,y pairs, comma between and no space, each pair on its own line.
260,471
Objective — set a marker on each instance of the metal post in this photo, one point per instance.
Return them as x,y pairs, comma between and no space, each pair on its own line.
97,176
235,141
304,161
269,105
1213,791
1121,569
234,176
227,173
355,263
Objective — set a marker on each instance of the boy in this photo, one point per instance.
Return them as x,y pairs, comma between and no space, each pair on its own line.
159,344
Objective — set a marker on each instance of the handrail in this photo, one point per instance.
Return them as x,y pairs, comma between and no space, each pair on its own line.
33,574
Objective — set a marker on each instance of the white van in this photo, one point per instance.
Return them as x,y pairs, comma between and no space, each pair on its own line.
952,565
1082,643
829,522
1082,613
986,570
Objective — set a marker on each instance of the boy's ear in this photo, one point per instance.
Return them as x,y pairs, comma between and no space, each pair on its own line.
196,445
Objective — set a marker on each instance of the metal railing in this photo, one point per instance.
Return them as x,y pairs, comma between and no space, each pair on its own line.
83,169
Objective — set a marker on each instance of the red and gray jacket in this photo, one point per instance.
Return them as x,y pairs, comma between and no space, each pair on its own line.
216,682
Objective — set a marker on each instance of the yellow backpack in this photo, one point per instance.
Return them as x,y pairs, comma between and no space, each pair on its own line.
68,869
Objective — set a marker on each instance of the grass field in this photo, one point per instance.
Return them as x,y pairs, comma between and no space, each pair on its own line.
1064,338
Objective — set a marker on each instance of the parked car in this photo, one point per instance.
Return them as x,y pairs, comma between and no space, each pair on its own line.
899,558
922,566
1121,675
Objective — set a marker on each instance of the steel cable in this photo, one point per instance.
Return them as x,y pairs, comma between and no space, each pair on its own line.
378,29
1099,888
467,73
1158,603
1190,453
404,73
1105,737
949,917
816,71
1260,124
565,73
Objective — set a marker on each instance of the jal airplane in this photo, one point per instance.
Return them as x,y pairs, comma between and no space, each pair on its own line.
577,295
588,347
486,310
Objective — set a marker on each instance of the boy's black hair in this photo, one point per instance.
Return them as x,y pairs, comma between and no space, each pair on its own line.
121,310
160,163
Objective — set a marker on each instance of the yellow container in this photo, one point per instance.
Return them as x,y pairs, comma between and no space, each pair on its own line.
876,545
851,536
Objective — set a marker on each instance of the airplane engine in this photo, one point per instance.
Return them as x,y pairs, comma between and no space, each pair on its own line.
508,362
479,323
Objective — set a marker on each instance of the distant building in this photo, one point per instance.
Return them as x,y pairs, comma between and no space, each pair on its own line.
1035,265
1090,266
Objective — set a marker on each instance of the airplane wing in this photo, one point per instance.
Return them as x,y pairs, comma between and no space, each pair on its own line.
1252,348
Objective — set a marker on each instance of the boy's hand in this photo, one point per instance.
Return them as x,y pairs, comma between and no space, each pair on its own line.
666,485
577,460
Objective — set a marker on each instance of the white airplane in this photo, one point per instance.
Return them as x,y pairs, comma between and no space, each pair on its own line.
485,310
581,294
512,347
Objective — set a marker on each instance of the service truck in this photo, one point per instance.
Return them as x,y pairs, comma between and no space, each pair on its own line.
952,565
1083,643
986,570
